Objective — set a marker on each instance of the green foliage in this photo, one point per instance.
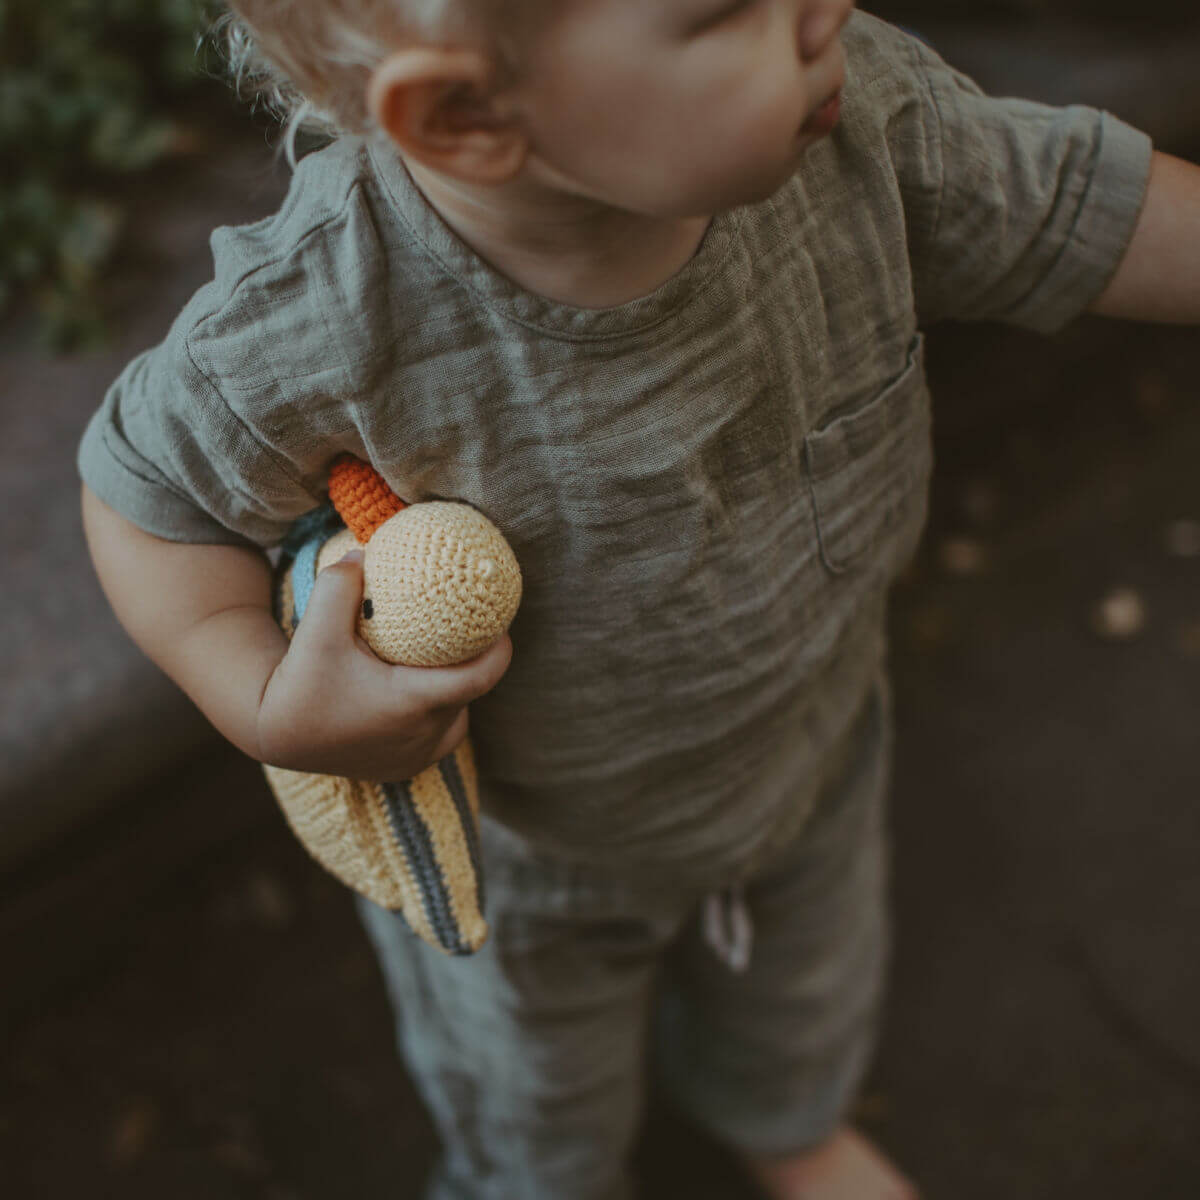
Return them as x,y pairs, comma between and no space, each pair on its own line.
86,89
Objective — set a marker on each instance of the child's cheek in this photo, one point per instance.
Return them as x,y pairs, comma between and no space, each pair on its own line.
753,120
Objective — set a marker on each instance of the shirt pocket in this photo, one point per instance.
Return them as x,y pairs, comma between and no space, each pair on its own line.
868,472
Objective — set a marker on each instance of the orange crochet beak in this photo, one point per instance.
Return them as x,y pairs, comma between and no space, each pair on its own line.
361,496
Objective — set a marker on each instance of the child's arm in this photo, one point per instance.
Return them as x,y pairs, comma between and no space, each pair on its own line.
322,703
1159,277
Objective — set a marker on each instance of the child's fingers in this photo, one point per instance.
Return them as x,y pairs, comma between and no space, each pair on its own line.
451,739
331,615
452,687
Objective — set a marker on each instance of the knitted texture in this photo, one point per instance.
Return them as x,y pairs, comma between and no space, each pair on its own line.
407,847
361,496
441,584
411,845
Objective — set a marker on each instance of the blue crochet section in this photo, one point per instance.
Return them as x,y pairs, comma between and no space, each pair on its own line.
304,574
300,548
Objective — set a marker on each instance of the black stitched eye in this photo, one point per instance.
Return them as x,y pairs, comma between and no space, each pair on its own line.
368,610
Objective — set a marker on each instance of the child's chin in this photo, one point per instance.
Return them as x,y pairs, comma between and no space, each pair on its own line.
766,186
747,189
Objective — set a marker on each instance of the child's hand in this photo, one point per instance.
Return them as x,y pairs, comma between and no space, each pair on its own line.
333,708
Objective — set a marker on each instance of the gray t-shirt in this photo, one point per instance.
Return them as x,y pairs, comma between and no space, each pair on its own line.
709,488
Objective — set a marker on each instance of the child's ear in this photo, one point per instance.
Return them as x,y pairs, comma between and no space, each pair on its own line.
437,105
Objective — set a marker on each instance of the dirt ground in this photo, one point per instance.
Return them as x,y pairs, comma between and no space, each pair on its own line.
1041,1038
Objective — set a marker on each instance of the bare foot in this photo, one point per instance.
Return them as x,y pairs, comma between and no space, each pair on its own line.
847,1167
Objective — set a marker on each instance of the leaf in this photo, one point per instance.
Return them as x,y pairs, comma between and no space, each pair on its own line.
85,90
87,240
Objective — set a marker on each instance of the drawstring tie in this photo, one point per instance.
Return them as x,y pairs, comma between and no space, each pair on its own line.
727,927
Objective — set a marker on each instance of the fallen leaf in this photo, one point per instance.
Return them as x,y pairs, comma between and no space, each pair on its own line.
269,900
1182,538
1119,615
962,556
1187,639
980,502
1152,393
929,625
240,1158
132,1132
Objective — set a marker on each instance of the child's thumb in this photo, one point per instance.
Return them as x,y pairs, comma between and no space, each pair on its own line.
331,615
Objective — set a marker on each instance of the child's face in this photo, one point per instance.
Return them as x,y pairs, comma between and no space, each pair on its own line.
682,107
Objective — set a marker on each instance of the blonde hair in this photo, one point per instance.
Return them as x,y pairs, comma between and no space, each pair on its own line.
309,61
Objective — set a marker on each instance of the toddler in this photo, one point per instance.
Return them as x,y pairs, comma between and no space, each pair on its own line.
645,283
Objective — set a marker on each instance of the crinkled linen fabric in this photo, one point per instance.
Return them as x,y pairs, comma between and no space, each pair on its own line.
709,488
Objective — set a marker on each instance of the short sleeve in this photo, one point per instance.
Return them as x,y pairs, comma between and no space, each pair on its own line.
224,431
1017,211
168,453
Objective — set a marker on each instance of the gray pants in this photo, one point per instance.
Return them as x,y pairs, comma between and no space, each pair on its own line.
531,1055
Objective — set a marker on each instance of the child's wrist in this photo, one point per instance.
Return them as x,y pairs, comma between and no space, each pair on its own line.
225,663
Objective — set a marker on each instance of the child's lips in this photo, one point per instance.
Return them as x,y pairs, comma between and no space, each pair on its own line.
825,118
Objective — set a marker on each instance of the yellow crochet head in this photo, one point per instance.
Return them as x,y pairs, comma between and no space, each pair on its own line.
440,582
441,585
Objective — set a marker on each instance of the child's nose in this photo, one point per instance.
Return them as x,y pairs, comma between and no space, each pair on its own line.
820,23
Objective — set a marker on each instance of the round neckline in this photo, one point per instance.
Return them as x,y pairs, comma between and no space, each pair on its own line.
509,299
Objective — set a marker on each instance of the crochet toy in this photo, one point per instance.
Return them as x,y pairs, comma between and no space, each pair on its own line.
440,585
